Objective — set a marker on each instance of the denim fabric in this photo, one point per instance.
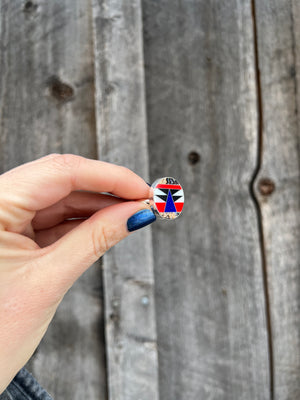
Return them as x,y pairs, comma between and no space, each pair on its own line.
24,387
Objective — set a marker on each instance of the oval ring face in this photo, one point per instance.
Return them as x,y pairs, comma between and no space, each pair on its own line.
168,198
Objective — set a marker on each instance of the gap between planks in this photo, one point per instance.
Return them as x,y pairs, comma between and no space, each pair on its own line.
256,202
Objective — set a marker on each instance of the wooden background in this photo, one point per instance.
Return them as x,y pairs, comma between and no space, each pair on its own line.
208,306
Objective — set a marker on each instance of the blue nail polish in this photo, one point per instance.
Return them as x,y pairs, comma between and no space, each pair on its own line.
140,219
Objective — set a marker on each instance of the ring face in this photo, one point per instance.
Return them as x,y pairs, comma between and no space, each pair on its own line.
168,198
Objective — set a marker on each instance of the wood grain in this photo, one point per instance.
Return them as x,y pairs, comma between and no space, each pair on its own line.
128,267
278,36
189,74
47,105
201,98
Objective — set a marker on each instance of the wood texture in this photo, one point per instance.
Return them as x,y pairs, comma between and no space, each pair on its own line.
179,93
128,267
47,105
201,97
278,35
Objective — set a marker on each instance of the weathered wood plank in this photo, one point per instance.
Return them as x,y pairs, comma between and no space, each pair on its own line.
278,33
201,98
128,268
44,44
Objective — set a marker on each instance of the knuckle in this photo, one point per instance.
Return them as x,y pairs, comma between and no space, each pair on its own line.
69,161
50,156
46,158
100,241
125,170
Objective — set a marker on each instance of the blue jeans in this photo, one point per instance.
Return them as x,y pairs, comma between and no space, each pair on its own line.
24,387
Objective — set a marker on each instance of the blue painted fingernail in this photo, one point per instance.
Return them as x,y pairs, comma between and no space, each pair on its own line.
140,219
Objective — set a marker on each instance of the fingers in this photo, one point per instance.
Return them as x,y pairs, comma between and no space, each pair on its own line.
41,183
71,255
46,237
75,205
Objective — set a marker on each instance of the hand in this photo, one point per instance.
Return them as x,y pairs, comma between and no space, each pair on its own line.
42,254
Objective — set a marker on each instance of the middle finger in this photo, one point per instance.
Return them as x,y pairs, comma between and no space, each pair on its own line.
75,205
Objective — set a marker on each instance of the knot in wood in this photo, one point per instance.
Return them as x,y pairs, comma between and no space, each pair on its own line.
266,186
30,6
60,90
193,157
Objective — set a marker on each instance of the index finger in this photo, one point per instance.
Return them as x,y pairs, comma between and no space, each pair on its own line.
45,181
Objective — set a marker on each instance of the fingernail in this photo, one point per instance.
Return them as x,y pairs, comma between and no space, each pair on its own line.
140,219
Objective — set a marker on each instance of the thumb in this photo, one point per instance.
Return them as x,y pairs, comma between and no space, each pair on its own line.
71,255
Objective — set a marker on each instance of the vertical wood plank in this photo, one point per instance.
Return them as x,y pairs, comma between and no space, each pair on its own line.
47,105
202,127
128,267
278,35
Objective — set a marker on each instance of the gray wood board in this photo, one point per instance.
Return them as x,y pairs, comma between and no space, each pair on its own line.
47,105
278,35
201,97
128,267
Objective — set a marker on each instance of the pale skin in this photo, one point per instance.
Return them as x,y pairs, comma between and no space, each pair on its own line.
42,253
